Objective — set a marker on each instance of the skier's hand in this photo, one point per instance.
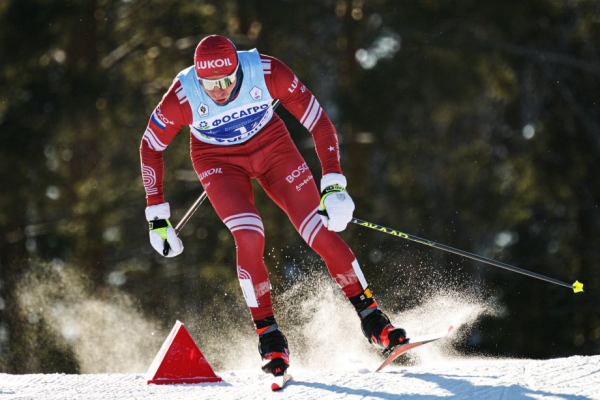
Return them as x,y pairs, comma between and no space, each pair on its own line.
162,235
336,205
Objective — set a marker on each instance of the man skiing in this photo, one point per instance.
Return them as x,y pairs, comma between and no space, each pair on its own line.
226,98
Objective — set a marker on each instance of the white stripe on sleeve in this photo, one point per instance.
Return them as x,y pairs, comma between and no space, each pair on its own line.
312,114
153,141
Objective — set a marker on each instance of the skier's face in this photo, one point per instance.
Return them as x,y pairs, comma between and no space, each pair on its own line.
219,95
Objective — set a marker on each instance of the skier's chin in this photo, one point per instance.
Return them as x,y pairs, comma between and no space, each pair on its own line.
220,100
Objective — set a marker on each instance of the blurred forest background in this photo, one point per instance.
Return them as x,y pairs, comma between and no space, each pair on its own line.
471,123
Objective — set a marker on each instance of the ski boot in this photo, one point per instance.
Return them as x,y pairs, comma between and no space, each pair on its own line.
376,326
273,347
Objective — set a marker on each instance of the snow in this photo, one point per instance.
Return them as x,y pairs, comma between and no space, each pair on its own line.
114,345
575,377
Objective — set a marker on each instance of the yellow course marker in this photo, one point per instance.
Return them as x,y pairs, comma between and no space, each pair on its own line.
577,287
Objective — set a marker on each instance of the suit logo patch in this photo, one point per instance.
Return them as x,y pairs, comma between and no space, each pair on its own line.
256,93
203,110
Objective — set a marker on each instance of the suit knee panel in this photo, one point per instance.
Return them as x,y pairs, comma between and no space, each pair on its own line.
247,229
245,221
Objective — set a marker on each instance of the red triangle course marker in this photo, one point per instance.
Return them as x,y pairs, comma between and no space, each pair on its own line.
179,360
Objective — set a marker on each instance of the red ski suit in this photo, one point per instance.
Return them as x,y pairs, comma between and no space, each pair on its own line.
271,158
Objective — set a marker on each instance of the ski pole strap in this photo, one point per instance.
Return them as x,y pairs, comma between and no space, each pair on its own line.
181,223
160,226
330,190
158,223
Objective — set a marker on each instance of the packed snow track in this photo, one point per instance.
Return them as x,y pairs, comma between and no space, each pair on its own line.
564,378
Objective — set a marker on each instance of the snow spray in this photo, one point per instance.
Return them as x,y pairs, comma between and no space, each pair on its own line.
323,329
105,333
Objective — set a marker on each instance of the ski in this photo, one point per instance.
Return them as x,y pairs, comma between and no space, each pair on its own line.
280,381
411,344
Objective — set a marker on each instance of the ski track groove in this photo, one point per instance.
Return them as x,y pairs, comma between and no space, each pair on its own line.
574,378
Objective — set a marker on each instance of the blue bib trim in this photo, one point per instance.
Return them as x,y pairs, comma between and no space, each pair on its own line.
237,121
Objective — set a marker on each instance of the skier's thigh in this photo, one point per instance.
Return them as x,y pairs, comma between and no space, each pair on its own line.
291,185
229,189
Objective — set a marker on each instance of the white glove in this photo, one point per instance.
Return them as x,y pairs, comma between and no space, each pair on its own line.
162,235
336,203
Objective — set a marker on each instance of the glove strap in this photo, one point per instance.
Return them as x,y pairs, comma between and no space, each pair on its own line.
160,226
158,223
327,191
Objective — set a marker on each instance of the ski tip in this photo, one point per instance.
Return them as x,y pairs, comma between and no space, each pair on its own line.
450,329
279,382
577,287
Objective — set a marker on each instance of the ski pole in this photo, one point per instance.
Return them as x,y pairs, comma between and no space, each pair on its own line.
577,286
185,219
190,212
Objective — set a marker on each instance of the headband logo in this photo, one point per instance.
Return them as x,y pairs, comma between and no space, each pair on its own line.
214,63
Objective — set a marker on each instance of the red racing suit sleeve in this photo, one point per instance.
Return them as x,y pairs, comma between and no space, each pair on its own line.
167,119
284,85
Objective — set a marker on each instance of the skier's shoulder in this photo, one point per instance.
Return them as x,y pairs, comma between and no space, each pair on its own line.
174,106
278,76
273,64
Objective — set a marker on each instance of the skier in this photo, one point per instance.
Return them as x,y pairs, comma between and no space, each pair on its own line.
226,98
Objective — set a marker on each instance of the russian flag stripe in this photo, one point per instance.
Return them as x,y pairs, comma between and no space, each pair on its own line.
157,121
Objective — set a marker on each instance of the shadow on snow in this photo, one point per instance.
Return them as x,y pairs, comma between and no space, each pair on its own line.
456,385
